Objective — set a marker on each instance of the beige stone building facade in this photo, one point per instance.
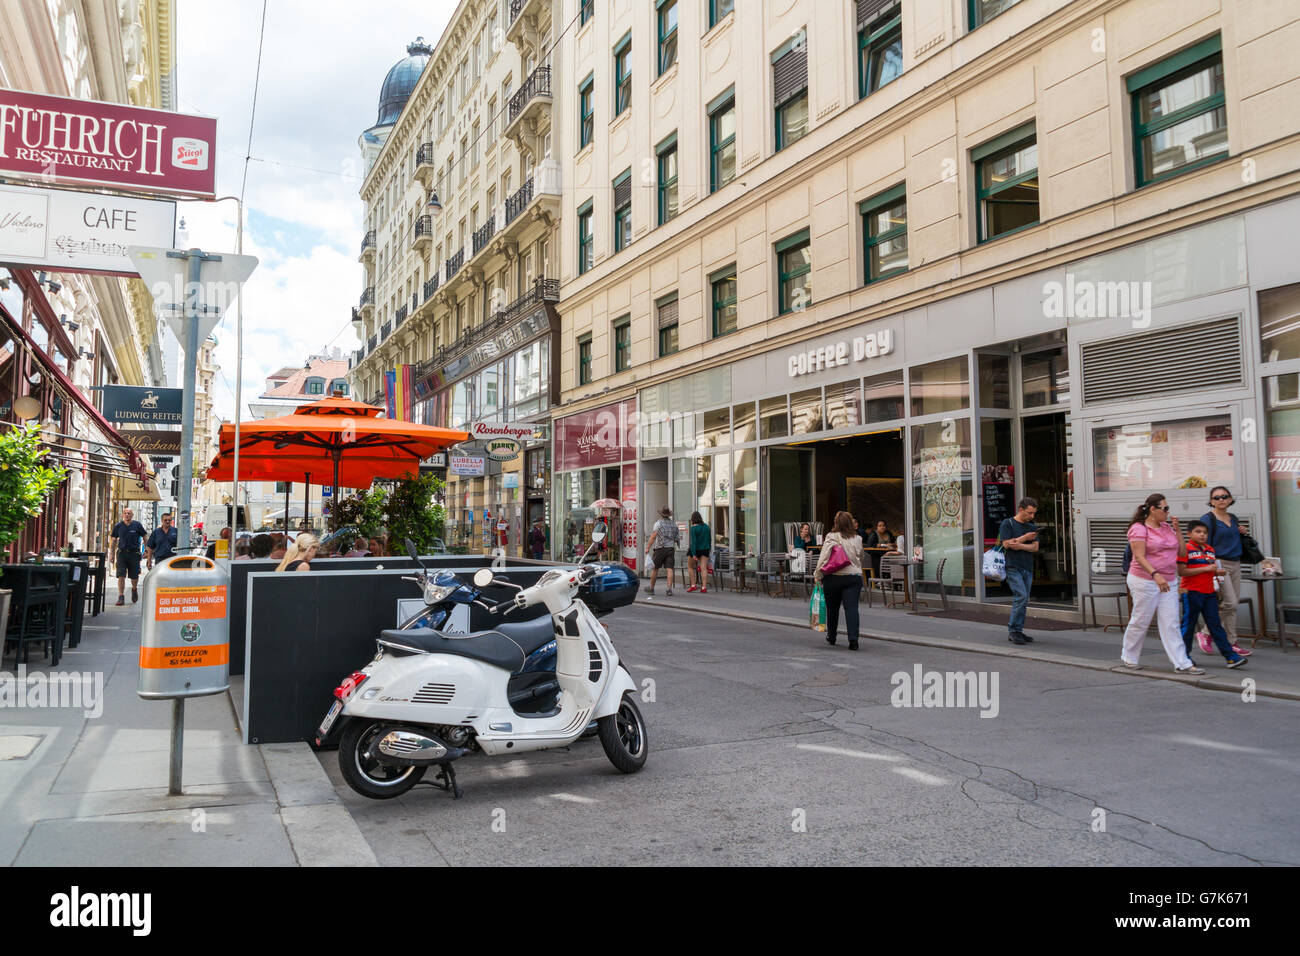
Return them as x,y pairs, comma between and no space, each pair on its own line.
917,259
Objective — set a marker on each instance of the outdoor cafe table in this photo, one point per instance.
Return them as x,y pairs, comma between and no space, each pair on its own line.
76,595
1260,580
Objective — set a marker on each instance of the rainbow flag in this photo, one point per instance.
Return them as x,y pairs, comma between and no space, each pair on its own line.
398,393
390,388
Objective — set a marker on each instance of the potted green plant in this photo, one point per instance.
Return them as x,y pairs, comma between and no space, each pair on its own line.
25,483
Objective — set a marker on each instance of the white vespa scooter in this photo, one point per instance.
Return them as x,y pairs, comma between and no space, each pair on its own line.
429,698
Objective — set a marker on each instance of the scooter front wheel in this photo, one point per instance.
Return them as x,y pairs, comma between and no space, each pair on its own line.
623,736
366,775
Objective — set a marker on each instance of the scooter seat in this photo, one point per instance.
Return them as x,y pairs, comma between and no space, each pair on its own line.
490,647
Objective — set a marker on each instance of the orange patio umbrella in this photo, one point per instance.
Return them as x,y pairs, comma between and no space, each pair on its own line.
332,436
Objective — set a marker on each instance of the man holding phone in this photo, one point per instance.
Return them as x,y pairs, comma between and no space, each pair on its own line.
1019,539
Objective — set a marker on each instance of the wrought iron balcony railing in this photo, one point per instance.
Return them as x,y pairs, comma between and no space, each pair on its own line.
537,84
424,227
430,286
400,317
455,262
424,155
541,290
368,241
519,200
386,330
368,297
483,234
372,342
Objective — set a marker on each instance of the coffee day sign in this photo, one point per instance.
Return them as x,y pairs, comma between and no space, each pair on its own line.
56,139
79,232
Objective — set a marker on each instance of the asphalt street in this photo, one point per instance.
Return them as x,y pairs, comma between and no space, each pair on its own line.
767,746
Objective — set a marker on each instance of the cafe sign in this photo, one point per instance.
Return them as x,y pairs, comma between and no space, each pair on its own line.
834,354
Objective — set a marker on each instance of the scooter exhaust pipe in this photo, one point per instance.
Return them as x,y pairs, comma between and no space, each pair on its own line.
409,747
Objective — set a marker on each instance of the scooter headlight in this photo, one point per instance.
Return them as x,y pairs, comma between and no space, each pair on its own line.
434,593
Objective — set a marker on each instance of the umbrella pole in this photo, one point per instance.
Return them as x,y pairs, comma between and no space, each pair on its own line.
286,505
306,499
334,509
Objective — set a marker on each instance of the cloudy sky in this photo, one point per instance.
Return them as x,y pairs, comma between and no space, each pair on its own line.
322,65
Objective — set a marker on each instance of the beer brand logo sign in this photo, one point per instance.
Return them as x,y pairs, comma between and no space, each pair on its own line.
189,153
503,449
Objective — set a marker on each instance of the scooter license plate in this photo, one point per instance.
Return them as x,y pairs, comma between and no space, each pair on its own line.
330,717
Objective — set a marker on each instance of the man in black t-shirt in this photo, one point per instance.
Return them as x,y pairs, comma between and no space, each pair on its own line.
1019,539
128,533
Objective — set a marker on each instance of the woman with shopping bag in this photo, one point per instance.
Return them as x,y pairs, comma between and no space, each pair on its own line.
839,574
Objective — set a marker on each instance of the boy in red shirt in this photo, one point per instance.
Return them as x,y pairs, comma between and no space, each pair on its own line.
1197,569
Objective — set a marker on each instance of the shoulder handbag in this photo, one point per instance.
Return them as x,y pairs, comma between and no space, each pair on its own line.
836,560
1250,551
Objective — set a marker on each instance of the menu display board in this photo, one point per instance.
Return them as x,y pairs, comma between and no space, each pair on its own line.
1164,456
999,497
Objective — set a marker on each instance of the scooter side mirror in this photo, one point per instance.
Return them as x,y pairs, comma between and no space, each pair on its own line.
412,551
483,577
599,533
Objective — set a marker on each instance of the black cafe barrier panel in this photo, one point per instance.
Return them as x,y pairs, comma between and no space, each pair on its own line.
309,631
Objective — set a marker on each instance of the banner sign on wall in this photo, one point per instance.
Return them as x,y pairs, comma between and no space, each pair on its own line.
137,405
602,436
64,140
466,465
81,232
153,441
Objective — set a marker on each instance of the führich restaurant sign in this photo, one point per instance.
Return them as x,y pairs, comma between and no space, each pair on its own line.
57,139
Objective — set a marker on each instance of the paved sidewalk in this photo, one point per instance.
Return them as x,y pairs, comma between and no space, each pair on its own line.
87,784
1274,673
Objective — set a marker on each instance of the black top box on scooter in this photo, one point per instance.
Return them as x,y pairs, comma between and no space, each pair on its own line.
614,589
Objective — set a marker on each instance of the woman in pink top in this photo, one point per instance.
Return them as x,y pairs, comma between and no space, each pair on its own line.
1156,542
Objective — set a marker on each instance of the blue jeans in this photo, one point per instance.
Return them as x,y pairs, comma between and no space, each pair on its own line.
1199,604
1019,580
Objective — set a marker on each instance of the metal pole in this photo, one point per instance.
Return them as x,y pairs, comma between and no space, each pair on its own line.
334,507
287,486
191,343
178,740
239,370
306,499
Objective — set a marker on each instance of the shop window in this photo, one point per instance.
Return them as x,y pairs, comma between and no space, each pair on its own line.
713,428
719,9
587,112
667,20
585,243
982,11
722,141
1282,392
883,397
666,320
744,484
666,158
722,285
790,90
623,211
742,423
623,75
806,411
884,234
623,344
774,417
584,360
942,510
1180,121
994,381
1045,378
942,386
794,272
1006,179
1170,454
1279,323
880,52
843,405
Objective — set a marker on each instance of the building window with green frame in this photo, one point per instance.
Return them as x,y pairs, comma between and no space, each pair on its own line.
790,90
623,75
587,111
794,272
666,321
1006,183
880,52
585,242
722,140
623,344
1180,121
586,11
982,11
666,160
722,296
719,9
666,16
584,360
623,211
884,234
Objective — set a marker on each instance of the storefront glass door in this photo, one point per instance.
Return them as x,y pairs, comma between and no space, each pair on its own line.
790,493
1048,479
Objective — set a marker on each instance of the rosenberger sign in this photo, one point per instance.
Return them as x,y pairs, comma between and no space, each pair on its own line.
58,139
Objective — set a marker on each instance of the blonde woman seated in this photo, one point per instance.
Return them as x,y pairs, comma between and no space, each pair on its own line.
300,553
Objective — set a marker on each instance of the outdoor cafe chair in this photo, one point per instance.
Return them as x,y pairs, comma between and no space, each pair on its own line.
893,578
936,581
37,608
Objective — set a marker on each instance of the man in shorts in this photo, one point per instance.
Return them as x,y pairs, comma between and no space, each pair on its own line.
663,542
128,533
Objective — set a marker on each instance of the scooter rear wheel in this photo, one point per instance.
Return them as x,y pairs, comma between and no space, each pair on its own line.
368,776
623,736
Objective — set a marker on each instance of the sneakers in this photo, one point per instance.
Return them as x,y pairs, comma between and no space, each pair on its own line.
669,592
1203,639
135,595
1237,663
1240,651
1193,670
691,589
706,591
1132,665
1015,637
121,601
1028,639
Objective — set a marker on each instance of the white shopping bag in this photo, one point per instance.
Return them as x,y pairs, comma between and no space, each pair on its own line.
995,564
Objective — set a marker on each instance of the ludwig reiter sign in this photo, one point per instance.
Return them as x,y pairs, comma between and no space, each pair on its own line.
136,405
